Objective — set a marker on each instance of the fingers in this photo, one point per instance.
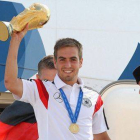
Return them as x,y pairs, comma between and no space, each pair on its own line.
13,33
18,36
26,27
24,31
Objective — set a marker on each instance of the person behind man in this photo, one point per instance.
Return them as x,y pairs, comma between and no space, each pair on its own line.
46,69
18,120
55,103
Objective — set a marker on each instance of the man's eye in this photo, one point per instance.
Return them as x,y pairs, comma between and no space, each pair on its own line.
61,59
74,59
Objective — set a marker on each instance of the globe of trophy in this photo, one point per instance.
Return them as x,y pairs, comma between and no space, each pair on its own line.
36,16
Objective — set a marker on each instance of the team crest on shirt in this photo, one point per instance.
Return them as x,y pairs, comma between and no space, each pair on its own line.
87,102
57,97
90,97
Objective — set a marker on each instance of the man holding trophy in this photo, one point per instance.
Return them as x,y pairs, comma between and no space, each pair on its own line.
78,112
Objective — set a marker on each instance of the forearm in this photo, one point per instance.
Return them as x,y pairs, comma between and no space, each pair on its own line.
11,70
12,83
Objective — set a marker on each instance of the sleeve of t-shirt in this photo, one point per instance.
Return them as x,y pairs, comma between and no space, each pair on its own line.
29,89
98,122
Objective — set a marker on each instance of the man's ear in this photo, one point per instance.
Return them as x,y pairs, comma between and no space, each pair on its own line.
37,76
54,60
81,62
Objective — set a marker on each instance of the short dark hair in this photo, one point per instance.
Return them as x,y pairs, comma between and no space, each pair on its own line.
68,42
46,62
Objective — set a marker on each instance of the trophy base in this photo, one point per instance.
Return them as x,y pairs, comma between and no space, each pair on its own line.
5,30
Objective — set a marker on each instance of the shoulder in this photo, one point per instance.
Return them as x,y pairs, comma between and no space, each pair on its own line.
89,88
34,83
27,80
89,91
90,96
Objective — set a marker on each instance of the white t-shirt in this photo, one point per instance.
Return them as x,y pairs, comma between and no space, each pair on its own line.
53,121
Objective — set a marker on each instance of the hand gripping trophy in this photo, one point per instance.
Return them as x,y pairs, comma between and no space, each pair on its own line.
36,16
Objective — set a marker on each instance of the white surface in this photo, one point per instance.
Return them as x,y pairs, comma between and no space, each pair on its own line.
109,31
122,109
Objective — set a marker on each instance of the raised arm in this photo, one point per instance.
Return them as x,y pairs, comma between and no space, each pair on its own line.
12,83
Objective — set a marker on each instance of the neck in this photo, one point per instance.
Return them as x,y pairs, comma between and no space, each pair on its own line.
71,83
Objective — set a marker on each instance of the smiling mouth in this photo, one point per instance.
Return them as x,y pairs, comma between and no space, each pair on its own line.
67,71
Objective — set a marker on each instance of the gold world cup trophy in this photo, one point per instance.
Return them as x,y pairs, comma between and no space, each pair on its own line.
36,16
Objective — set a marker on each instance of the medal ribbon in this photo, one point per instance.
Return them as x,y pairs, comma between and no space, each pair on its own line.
72,116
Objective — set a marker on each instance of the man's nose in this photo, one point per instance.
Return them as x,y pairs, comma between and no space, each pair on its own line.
68,64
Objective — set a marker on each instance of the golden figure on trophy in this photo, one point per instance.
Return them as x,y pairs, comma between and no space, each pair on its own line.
36,16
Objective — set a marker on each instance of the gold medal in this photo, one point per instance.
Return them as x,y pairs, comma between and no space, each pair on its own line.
74,128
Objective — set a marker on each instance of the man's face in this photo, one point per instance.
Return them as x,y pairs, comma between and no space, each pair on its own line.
47,74
68,64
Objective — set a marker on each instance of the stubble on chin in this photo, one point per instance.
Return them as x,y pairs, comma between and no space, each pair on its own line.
68,78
